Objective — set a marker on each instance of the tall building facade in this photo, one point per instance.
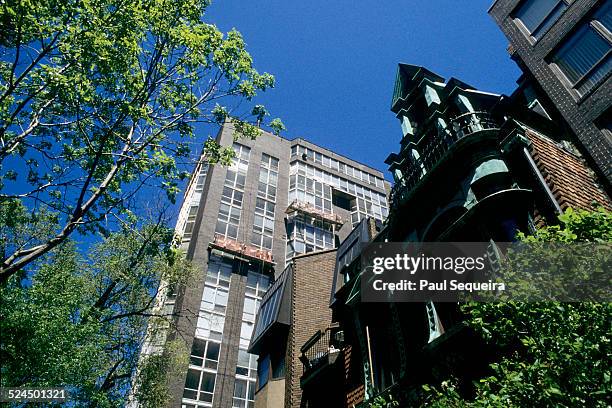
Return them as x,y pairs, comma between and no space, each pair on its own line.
565,47
241,225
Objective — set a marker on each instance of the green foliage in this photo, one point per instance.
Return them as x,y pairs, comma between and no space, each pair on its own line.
99,98
382,401
559,352
277,126
576,226
152,387
80,321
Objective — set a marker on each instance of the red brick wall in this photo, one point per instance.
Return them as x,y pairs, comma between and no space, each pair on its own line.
571,181
355,390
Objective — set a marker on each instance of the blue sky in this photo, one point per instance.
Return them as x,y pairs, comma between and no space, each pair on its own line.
335,61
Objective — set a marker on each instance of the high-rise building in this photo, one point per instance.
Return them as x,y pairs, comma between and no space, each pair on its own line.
240,225
565,47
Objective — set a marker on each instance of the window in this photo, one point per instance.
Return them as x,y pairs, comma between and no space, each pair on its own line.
228,220
204,356
250,309
257,284
204,353
269,162
214,299
241,161
246,367
231,199
244,393
219,272
263,226
199,186
278,365
267,184
211,318
210,325
264,207
247,364
585,57
263,371
268,311
537,16
246,330
191,217
201,381
307,236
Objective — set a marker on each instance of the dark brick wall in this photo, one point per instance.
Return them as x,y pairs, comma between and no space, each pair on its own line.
311,286
581,113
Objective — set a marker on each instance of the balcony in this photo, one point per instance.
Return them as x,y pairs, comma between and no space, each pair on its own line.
432,149
242,249
312,211
320,351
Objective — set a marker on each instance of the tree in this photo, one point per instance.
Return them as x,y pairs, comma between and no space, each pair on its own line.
559,352
99,98
80,321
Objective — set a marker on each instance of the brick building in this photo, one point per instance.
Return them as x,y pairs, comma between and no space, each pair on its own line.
294,308
241,225
564,48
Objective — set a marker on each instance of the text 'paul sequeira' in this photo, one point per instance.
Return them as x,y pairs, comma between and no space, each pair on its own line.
425,285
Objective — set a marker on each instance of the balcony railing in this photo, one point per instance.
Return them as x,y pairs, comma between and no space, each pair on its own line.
321,349
432,150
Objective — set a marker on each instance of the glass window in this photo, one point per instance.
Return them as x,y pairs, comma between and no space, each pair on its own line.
203,381
246,330
585,58
190,223
208,382
538,15
204,353
244,393
263,370
193,379
199,186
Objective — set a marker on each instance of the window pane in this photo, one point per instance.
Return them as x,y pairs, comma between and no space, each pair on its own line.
190,394
240,388
193,379
198,347
262,371
582,60
604,15
208,382
581,53
251,395
538,15
213,351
